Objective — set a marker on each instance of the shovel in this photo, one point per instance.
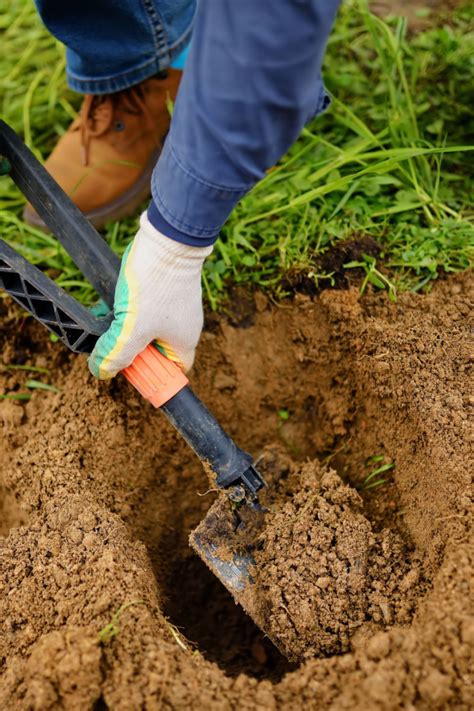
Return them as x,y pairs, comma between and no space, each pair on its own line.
225,538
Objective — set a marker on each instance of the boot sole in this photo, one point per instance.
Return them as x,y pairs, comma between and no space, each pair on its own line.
121,207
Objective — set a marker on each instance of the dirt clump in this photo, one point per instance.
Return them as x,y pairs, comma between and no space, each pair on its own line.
322,573
99,495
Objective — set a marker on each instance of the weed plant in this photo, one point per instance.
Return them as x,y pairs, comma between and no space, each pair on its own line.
390,159
372,480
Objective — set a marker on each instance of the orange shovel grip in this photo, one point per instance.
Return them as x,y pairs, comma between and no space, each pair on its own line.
155,377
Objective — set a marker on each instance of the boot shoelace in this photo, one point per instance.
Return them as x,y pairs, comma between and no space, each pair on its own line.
97,113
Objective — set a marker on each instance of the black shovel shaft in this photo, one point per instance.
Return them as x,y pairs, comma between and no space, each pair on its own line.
78,328
212,444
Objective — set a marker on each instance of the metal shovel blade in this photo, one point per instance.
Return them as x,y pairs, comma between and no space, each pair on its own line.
216,541
225,541
233,573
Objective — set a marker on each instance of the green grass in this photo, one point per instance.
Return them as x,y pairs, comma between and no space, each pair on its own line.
372,480
112,629
390,159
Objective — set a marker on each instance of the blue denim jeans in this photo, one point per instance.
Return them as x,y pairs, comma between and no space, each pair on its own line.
114,44
252,81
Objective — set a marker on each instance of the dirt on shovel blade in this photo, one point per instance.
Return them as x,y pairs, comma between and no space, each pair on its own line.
226,541
221,545
103,604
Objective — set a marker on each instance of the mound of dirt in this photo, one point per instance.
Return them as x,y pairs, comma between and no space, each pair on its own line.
322,573
105,605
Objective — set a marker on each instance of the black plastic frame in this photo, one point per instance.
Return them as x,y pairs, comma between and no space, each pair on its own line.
72,322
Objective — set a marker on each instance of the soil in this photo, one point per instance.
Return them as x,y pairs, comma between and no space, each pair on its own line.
420,14
332,262
322,573
367,590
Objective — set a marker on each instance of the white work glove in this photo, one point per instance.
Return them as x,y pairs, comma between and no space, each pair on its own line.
157,298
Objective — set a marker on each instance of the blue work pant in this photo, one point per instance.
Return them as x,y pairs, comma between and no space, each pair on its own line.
252,81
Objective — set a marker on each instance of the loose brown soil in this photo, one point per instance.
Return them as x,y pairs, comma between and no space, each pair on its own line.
368,591
323,574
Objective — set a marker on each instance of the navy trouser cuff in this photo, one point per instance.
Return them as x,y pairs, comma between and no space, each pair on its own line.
167,229
125,78
192,206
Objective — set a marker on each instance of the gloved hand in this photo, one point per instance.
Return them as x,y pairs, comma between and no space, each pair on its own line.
157,298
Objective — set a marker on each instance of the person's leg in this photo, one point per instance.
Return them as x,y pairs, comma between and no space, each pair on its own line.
127,57
252,82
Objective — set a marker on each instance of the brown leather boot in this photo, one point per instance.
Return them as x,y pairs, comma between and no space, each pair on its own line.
105,160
